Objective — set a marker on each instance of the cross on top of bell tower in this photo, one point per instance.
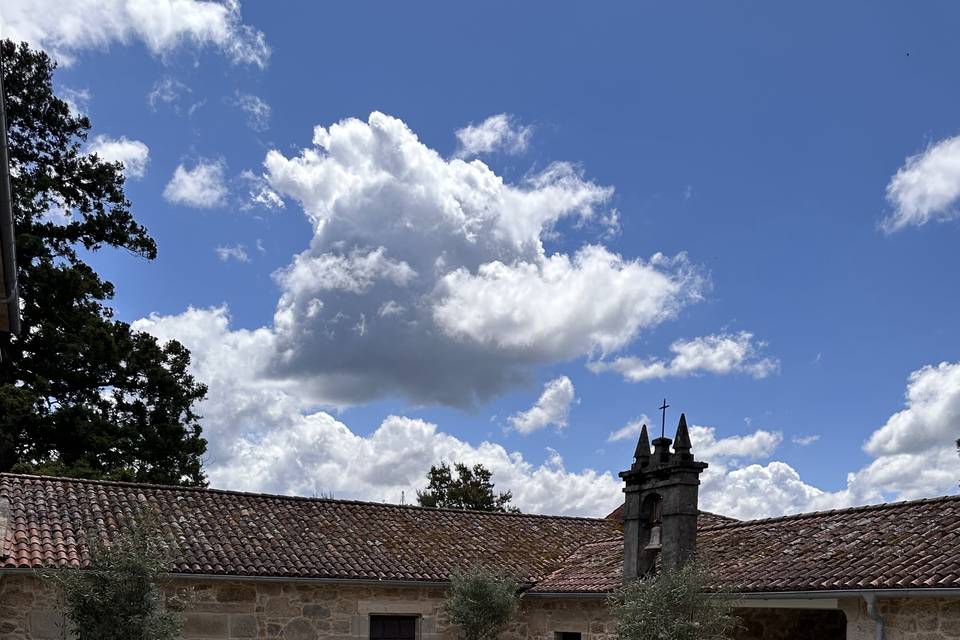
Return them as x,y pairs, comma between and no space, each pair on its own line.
663,418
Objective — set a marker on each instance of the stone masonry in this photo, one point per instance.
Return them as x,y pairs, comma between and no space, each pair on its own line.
269,610
905,618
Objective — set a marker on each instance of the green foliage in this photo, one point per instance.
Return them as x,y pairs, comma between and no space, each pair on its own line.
673,605
83,394
481,603
119,595
471,489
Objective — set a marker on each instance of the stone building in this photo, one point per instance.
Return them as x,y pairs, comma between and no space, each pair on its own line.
292,568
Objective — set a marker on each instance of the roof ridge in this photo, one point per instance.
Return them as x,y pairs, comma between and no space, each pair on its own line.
826,512
714,514
278,496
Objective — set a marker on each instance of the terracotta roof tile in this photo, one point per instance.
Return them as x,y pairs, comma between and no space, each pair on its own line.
223,532
902,545
891,546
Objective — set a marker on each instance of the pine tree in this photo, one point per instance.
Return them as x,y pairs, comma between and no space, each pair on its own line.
83,394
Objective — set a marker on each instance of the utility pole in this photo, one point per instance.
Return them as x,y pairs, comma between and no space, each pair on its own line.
9,292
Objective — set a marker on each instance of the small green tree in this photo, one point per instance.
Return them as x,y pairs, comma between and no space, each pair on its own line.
119,596
471,489
481,603
673,605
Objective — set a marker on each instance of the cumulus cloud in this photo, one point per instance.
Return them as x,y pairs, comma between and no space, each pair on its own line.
759,444
926,188
379,303
931,417
65,27
719,354
259,193
555,304
256,109
354,273
237,252
133,154
439,256
629,431
264,436
762,491
202,187
914,450
706,445
552,408
501,133
805,441
914,456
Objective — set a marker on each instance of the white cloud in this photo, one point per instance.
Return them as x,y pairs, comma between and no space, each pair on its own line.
564,307
259,193
354,273
65,27
133,154
202,186
264,437
78,100
629,431
914,456
719,354
756,445
419,264
914,450
501,132
238,253
552,408
761,491
926,188
805,441
168,91
257,110
931,417
443,257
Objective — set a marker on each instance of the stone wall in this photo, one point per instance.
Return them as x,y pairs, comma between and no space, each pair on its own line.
29,610
905,619
541,618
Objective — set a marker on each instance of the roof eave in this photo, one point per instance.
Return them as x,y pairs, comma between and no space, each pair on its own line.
914,592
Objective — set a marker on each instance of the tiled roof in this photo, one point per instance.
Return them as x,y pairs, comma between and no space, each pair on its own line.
230,533
706,519
901,545
594,567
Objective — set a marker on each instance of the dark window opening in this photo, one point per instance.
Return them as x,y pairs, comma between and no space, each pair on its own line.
393,627
566,635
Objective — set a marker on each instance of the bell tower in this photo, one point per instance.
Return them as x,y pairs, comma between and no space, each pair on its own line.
660,517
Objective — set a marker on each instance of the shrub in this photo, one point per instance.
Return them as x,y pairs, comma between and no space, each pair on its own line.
119,595
673,605
481,603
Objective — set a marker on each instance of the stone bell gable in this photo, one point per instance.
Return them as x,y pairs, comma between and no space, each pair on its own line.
660,514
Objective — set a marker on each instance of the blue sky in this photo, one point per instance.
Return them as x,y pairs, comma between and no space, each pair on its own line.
802,159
